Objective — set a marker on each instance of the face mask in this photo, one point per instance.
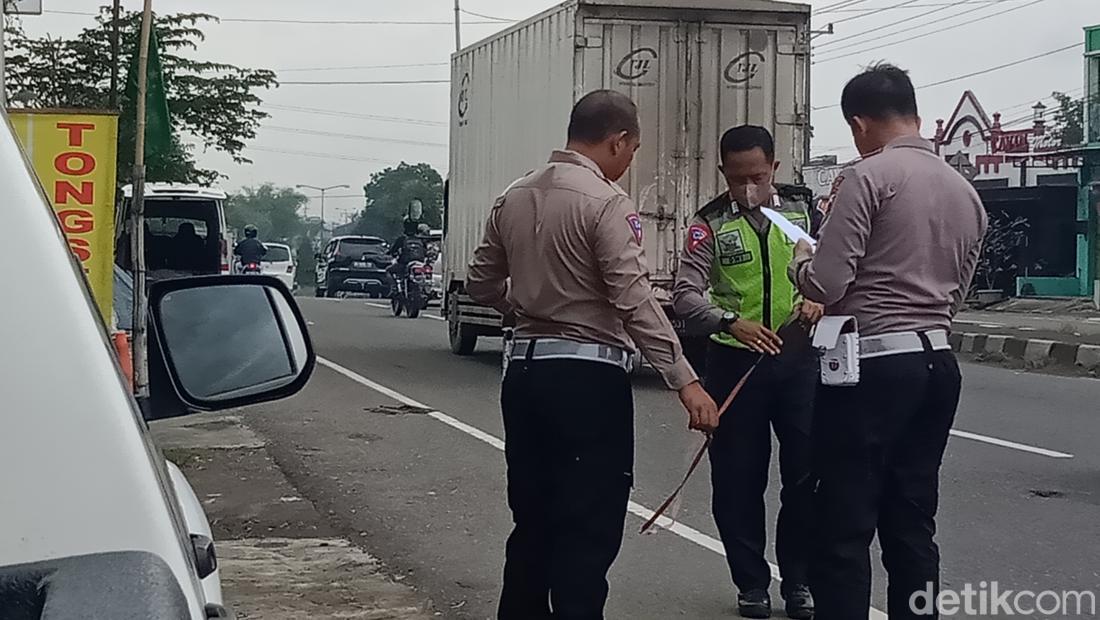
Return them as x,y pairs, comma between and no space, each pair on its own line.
750,195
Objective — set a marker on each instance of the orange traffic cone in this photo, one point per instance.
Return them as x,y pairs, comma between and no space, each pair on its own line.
125,357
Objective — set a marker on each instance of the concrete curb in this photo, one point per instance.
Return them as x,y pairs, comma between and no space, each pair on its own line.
1033,352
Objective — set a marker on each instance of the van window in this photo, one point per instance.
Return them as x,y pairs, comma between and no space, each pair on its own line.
181,235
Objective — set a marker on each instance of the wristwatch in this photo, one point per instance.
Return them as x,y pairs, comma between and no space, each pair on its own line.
727,321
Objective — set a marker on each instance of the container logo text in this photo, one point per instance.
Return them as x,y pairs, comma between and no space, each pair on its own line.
637,64
743,68
464,98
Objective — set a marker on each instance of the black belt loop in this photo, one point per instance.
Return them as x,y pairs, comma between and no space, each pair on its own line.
925,342
530,350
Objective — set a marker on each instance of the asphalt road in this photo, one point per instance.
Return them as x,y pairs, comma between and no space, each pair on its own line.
423,488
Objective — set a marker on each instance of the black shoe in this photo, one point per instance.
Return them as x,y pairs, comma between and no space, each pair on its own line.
754,604
800,603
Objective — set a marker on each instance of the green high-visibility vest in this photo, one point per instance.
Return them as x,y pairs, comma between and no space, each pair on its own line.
749,273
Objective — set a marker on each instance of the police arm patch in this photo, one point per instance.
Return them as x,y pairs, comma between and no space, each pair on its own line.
635,222
698,234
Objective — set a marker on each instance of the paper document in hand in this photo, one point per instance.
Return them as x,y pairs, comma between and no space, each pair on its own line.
789,228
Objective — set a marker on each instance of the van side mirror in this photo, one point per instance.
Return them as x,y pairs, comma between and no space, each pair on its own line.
229,341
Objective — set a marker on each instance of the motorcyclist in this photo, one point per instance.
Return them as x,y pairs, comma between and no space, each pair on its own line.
250,249
409,246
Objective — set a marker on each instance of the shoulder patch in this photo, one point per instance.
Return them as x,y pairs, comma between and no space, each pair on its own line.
635,222
827,204
698,234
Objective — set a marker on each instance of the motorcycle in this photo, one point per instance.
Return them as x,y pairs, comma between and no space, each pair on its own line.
411,292
251,268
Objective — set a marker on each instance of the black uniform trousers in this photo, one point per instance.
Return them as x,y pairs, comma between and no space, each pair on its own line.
779,395
878,447
569,444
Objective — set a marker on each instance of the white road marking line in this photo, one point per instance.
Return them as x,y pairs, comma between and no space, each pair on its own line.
683,531
1012,445
385,307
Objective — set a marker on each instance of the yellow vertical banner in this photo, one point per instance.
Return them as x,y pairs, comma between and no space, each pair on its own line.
74,155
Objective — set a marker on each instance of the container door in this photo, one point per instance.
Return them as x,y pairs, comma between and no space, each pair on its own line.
648,60
751,75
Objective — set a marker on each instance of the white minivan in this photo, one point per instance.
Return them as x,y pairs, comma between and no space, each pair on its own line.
185,231
95,524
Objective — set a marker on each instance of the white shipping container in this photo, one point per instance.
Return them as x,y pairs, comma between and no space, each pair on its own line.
694,67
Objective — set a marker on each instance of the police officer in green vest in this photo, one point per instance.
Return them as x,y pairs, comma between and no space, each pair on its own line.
733,286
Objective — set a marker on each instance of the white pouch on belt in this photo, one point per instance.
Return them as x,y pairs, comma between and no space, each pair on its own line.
836,340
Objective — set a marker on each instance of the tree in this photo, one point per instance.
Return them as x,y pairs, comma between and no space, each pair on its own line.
214,103
1000,256
273,210
389,193
1069,120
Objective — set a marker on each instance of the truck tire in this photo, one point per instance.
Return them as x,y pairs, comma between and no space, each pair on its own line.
463,338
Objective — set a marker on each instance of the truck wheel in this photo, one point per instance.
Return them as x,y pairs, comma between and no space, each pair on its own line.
463,338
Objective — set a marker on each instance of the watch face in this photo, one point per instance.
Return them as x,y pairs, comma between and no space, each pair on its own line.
729,316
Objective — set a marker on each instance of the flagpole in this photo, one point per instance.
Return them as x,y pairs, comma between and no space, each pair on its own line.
137,229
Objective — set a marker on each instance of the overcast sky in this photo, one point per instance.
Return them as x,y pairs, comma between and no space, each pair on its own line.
969,36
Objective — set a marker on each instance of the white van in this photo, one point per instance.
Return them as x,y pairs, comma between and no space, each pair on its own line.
185,231
95,523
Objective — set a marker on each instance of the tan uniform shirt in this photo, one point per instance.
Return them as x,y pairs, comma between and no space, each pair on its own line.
562,250
900,244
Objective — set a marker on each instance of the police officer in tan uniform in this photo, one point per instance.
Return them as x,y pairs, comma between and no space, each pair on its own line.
897,251
563,253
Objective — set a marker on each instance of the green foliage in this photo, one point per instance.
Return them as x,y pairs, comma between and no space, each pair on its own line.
273,210
215,104
1069,119
389,193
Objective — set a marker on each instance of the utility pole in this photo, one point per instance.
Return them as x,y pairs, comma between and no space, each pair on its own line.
115,53
137,229
3,87
458,26
322,190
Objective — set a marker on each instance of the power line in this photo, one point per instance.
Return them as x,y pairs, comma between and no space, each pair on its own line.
982,72
363,82
927,34
324,22
838,6
357,67
320,155
926,5
875,12
344,114
347,136
900,21
499,19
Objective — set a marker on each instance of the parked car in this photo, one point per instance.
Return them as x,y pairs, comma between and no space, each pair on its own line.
185,231
354,264
279,262
96,524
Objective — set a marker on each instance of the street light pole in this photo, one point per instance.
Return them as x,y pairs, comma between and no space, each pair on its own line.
322,190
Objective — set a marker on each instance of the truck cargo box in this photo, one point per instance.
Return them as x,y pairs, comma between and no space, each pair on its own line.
694,67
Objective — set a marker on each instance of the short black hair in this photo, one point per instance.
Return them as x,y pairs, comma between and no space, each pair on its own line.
881,92
746,138
600,114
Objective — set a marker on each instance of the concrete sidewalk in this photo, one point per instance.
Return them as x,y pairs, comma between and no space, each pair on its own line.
1063,334
279,558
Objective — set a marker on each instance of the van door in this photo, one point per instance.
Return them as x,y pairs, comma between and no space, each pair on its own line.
650,61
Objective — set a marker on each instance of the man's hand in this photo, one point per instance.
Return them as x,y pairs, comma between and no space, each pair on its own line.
756,337
810,312
700,406
803,250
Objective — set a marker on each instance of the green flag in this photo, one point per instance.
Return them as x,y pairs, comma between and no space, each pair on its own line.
158,123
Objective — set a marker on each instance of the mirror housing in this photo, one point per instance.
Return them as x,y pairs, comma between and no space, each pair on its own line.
220,342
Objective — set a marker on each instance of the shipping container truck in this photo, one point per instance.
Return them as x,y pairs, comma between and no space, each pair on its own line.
694,67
